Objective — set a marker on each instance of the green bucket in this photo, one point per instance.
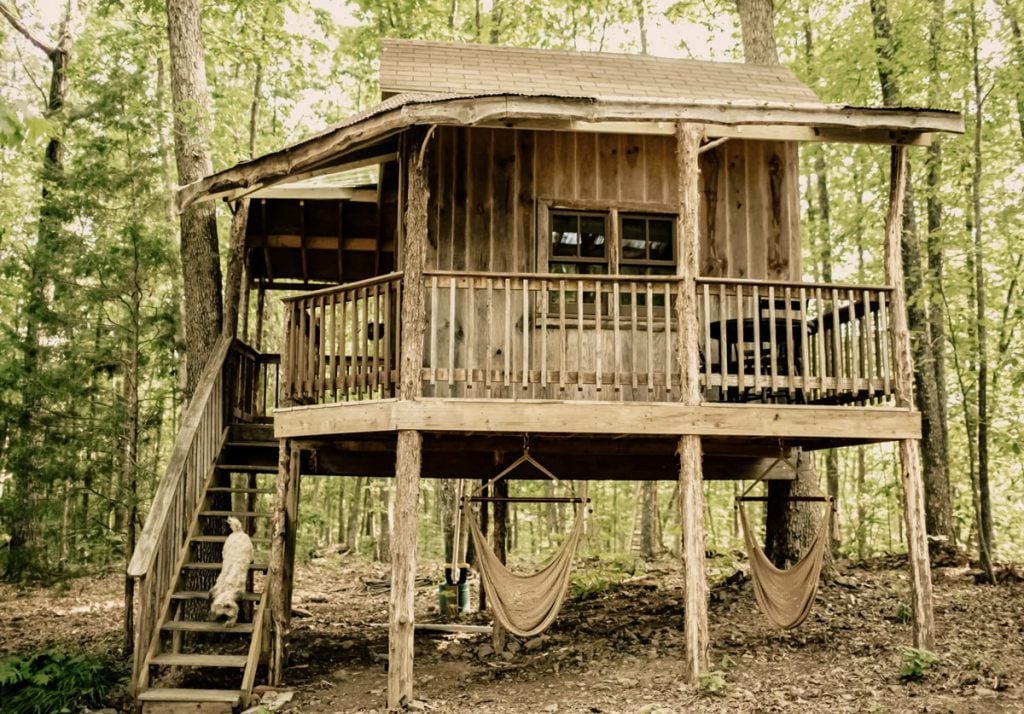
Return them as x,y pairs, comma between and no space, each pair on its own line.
453,598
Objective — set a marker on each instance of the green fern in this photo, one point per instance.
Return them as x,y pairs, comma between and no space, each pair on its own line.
52,681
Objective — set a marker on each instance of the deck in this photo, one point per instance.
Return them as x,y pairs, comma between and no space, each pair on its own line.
801,364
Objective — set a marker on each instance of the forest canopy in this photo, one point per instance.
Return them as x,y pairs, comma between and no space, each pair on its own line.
91,325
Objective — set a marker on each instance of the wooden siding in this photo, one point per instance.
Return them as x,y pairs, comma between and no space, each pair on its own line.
489,186
490,194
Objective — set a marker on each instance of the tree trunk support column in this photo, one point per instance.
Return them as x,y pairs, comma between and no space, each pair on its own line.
282,555
691,488
409,452
910,457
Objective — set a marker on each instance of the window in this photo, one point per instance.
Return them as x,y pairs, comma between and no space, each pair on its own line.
640,244
647,249
579,246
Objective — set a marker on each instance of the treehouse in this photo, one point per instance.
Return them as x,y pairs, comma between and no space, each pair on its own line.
599,253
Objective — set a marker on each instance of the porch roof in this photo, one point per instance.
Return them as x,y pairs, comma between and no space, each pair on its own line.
623,95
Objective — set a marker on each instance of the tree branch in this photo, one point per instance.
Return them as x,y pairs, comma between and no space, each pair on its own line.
8,12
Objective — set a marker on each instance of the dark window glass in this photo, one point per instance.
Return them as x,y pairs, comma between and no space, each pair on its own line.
564,235
659,233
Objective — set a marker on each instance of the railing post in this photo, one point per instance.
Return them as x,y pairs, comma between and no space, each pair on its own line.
691,487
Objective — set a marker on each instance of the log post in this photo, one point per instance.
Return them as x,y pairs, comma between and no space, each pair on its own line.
276,589
499,637
236,271
903,386
691,487
409,451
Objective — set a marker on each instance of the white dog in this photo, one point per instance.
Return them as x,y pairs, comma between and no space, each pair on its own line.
230,585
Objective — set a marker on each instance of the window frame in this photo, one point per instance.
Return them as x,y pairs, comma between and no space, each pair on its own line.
613,215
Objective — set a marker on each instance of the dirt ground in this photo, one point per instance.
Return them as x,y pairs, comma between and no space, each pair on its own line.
619,647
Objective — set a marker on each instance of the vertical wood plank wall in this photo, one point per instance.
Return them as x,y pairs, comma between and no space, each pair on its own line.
486,185
489,194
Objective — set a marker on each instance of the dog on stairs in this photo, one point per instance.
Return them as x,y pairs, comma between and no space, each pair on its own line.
230,586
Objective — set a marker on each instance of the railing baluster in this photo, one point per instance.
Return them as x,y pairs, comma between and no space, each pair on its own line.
470,331
435,328
870,357
633,338
354,364
376,338
755,306
723,342
669,342
453,291
883,318
837,347
822,366
741,344
507,352
650,338
790,354
562,337
804,358
389,321
544,302
490,336
598,338
616,343
579,335
773,339
854,347
526,333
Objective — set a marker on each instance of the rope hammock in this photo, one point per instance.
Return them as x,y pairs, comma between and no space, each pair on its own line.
786,597
526,605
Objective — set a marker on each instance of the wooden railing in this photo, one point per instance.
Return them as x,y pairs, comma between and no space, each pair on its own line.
550,336
254,383
154,564
342,343
798,342
594,337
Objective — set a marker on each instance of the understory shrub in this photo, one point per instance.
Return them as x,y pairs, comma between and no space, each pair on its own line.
53,681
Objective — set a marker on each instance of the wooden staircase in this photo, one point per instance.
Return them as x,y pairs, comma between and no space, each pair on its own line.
187,645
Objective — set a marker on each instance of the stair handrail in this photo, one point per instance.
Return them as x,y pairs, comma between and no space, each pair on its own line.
146,549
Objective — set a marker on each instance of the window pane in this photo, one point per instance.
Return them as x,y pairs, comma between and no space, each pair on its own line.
634,239
592,231
564,235
661,238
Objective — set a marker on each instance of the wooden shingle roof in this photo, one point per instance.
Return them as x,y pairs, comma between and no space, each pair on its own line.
434,67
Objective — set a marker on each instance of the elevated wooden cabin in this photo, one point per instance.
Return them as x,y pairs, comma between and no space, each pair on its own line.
599,251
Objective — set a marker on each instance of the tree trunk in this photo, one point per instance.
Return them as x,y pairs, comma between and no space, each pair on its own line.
200,261
236,267
757,26
649,545
26,539
936,477
985,541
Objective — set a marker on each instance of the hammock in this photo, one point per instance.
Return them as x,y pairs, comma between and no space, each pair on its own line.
526,605
786,596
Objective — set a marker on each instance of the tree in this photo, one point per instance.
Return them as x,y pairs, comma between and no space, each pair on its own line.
789,525
200,260
25,437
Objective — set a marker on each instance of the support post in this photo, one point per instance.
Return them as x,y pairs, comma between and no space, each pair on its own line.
281,547
236,258
691,487
903,384
499,637
409,451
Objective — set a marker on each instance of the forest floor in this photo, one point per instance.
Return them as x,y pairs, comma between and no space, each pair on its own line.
617,646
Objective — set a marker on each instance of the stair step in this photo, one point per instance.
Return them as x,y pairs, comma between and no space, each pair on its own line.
205,595
237,514
221,539
241,628
238,444
199,660
167,694
218,566
248,468
232,489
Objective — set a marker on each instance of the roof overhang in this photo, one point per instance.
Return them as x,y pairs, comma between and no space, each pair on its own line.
370,137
